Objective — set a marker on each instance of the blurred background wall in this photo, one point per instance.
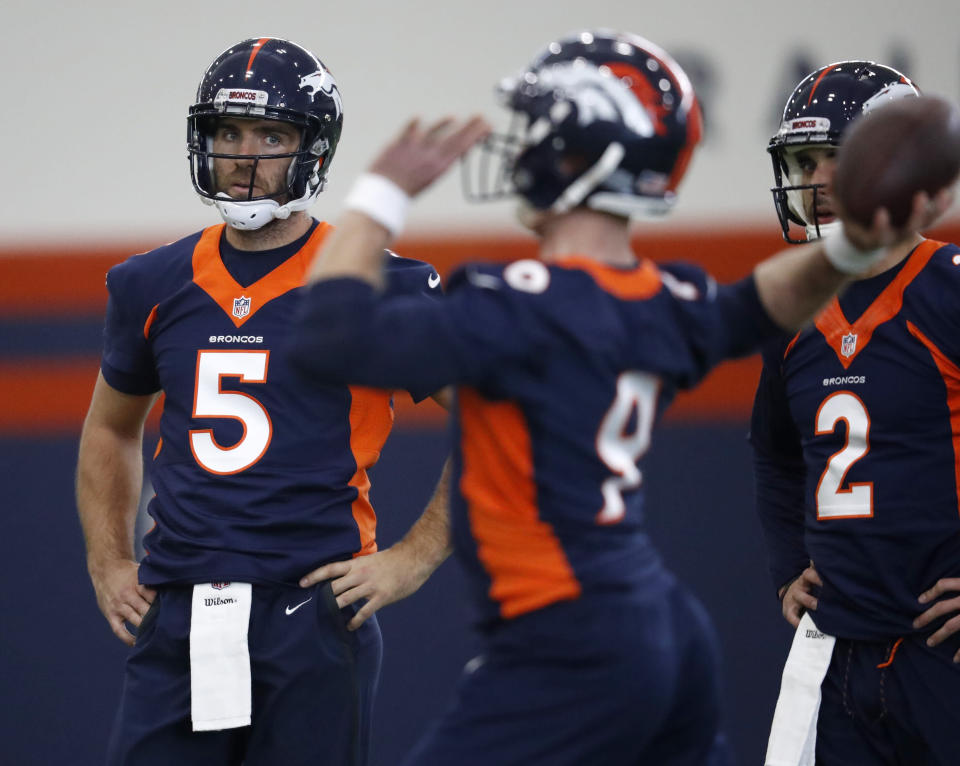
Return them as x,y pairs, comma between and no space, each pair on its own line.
93,168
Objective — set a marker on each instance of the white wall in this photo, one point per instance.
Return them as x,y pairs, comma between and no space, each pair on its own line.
96,93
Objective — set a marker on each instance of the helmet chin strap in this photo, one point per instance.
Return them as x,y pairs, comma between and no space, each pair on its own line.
825,229
250,215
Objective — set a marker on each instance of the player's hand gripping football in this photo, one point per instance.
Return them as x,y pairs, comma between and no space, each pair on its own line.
882,232
420,155
120,596
940,609
799,597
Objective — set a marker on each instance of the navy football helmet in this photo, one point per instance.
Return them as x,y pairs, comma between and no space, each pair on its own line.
273,79
601,119
818,113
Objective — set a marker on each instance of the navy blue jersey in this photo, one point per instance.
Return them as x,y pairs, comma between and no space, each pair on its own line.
260,475
562,372
856,428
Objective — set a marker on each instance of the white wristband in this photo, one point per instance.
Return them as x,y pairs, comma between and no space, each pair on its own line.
381,199
847,257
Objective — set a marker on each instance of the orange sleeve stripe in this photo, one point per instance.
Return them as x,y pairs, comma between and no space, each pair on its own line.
371,418
149,323
951,379
527,565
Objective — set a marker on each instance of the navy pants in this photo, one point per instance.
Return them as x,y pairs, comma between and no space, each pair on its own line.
882,707
313,686
618,681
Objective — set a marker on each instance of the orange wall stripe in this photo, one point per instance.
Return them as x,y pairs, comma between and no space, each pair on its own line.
527,565
49,397
45,397
951,379
60,280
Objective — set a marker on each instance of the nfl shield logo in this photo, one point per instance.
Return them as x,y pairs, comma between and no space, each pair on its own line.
219,585
241,306
848,344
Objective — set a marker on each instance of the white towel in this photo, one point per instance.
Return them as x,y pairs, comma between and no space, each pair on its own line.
793,734
220,688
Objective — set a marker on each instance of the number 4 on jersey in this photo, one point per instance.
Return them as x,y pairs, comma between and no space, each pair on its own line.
636,401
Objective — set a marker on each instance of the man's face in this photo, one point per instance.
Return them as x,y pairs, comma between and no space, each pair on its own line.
241,178
813,165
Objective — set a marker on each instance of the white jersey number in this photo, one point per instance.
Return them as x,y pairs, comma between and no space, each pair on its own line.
210,401
834,502
619,450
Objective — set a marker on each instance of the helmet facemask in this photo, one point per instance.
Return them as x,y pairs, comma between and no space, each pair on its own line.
790,191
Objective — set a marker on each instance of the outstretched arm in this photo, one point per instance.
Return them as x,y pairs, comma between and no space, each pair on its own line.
109,481
797,282
395,572
377,203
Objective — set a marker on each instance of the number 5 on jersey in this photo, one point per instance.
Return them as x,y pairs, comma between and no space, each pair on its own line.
211,401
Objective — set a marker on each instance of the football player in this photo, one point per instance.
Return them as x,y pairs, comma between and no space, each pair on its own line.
857,443
592,652
260,477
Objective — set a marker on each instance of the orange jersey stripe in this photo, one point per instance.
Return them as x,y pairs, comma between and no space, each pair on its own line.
212,276
951,379
634,284
527,565
834,325
371,418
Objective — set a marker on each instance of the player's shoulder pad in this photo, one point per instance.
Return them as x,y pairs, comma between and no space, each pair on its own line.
945,262
156,271
528,275
408,275
687,281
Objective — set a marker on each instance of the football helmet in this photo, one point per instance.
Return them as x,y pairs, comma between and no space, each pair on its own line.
601,119
273,79
818,113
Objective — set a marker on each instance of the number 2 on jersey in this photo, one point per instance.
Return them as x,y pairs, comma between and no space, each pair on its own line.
619,450
834,502
211,401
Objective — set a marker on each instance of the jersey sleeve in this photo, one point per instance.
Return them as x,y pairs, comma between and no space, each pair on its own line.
414,279
779,472
127,362
714,322
478,326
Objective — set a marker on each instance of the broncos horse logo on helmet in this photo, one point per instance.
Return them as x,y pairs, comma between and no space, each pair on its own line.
600,119
263,78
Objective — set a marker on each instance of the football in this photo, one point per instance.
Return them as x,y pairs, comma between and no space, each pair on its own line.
891,153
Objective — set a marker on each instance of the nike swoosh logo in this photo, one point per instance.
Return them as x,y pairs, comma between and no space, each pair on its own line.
291,609
433,280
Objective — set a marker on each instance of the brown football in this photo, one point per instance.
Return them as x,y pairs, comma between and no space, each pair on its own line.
891,153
